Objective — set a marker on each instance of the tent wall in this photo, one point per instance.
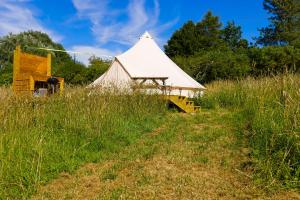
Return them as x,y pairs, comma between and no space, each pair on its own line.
115,76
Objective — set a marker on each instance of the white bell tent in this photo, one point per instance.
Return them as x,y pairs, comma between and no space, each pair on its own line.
145,64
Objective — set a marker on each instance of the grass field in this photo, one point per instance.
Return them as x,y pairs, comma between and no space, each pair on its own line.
244,144
188,157
268,116
40,138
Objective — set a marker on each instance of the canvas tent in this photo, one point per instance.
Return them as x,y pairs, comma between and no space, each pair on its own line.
146,64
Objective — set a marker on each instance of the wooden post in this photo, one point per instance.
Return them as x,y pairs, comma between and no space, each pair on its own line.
16,65
48,64
164,86
61,86
31,84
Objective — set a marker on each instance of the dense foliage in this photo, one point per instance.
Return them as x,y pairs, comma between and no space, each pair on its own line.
62,63
285,23
78,73
96,67
209,65
208,51
193,37
274,60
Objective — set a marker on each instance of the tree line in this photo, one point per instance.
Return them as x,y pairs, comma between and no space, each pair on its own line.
63,65
208,51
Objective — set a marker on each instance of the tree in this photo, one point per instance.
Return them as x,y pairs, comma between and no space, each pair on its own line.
207,52
284,28
232,35
273,60
72,72
6,74
215,64
96,68
191,37
183,41
208,32
78,73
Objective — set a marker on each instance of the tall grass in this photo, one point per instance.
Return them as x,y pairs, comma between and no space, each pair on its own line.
42,137
5,92
269,115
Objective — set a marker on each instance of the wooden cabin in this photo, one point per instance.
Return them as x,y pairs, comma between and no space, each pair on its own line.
31,73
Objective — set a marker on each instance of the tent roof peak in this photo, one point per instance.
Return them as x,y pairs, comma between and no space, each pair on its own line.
146,35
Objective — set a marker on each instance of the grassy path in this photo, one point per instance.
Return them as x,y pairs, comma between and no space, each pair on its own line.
190,157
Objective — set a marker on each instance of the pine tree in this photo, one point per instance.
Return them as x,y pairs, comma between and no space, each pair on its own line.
284,28
232,35
209,32
191,37
183,41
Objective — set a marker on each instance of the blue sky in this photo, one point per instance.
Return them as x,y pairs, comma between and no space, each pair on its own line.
109,27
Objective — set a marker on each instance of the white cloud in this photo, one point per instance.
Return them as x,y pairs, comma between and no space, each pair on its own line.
16,17
136,19
85,52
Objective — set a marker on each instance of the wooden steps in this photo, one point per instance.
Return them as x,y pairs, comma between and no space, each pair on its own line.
183,103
